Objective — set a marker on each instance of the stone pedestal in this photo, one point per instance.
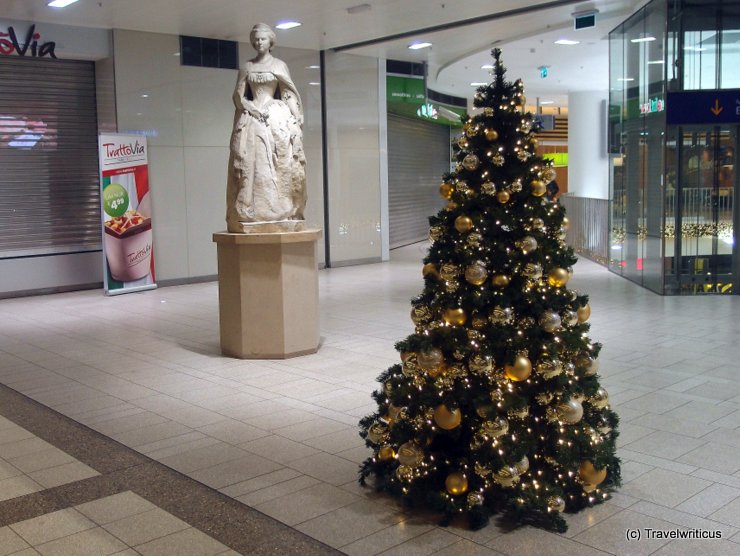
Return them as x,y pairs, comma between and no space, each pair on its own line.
268,290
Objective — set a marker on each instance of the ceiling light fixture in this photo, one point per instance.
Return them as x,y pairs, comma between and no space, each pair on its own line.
419,45
567,42
543,102
313,67
643,39
61,3
626,79
478,84
487,67
654,62
283,25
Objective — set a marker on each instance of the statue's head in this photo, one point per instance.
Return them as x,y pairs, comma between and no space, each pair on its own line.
263,28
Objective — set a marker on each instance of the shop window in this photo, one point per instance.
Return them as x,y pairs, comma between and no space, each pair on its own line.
209,53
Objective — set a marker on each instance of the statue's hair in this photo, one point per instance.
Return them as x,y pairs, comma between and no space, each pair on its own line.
265,28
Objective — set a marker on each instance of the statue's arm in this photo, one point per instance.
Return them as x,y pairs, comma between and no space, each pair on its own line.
241,88
289,92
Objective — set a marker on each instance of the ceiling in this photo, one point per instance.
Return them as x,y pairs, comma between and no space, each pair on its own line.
524,29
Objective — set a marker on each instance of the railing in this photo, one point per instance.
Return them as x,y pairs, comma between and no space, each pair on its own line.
699,201
588,232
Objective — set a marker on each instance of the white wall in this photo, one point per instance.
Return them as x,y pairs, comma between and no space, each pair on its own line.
353,128
588,163
187,117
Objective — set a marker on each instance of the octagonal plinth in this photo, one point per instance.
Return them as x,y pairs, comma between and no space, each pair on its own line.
268,294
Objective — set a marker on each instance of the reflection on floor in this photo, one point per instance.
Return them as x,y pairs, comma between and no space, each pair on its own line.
280,436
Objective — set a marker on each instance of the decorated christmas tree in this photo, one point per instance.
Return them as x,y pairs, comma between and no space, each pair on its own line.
496,405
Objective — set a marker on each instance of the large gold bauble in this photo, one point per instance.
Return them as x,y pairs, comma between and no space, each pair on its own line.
558,277
549,174
476,273
589,487
589,474
500,280
456,483
446,190
570,318
566,223
451,206
600,399
454,316
550,321
534,142
471,162
447,419
491,134
429,269
522,466
503,196
386,453
395,413
378,433
519,370
463,224
570,412
583,313
410,454
430,360
539,188
501,315
555,504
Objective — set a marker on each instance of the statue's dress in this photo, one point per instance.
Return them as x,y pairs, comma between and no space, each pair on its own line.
267,177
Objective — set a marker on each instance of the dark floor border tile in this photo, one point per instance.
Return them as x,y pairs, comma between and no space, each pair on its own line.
230,522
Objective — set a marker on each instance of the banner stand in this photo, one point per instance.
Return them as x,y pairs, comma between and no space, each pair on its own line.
126,210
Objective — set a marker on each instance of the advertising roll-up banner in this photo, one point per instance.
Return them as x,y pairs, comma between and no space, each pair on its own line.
127,214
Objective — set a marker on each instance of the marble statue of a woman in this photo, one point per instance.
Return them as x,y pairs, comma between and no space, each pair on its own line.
267,165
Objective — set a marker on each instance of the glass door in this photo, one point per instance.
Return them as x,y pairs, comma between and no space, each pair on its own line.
703,220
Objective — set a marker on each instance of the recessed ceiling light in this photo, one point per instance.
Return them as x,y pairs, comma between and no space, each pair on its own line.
61,3
695,48
626,79
288,25
419,45
643,39
547,102
487,67
313,67
145,95
653,62
478,84
315,83
567,42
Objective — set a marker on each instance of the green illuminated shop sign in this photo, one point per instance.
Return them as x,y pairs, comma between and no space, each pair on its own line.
404,89
558,159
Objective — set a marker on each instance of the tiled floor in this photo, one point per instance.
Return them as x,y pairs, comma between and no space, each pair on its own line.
281,436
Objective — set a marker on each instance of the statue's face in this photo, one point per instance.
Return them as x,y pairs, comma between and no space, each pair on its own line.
261,41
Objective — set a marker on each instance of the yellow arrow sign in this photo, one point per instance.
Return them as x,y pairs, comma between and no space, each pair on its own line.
716,109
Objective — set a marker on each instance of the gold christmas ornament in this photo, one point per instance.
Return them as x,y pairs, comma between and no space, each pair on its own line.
498,159
570,318
456,483
500,280
522,466
538,223
463,224
491,134
476,499
451,206
480,364
449,272
386,453
478,321
532,271
488,188
447,419
410,367
539,188
378,433
436,233
519,370
507,476
583,313
525,126
600,399
475,239
523,155
462,142
497,427
503,196
395,413
405,473
550,321
405,355
421,314
470,162
534,142
446,190
410,454
592,367
566,223
501,315
476,273
589,474
488,111
558,277
527,244
455,316
471,131
570,412
429,269
589,487
555,504
517,186
431,360
549,368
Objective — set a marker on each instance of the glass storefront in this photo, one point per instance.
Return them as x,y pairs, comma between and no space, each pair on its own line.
673,140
